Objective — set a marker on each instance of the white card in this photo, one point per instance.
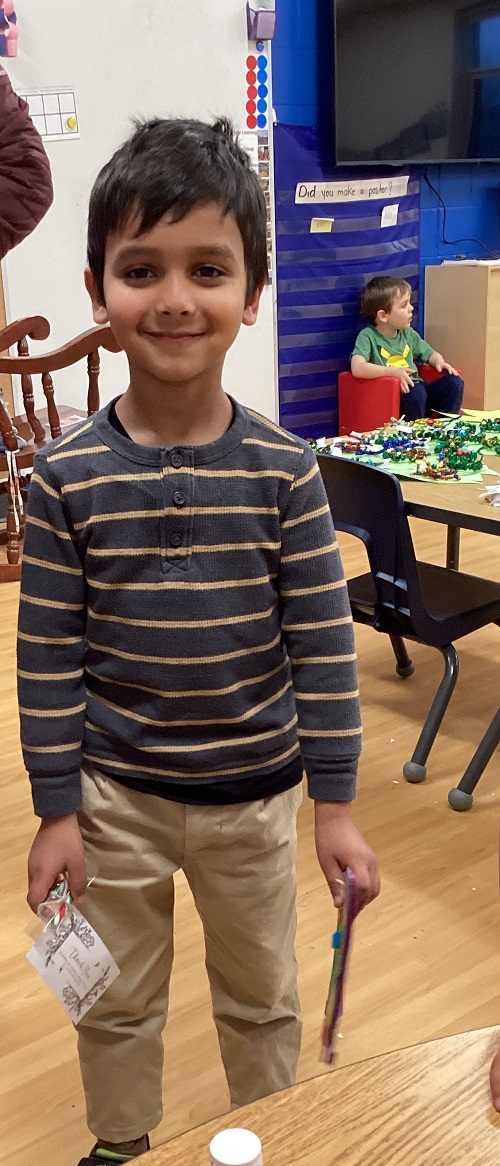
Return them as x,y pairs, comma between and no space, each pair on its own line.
74,963
390,216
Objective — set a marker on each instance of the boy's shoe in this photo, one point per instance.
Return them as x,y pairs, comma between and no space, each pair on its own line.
99,1157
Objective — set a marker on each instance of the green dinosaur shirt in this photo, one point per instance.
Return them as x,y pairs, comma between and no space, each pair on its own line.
400,351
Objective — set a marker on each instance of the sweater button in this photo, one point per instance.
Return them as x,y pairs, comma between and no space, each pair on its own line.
175,539
176,459
179,498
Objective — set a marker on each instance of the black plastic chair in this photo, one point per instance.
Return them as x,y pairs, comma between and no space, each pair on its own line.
461,798
400,596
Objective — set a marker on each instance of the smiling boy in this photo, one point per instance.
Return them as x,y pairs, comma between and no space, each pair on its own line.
185,642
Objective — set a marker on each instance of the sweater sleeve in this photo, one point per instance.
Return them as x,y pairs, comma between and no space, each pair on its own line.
318,630
51,646
25,179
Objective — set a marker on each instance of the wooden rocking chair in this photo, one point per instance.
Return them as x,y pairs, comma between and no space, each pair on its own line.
16,463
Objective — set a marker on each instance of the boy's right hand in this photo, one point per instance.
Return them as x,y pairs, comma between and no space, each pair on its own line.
57,849
403,375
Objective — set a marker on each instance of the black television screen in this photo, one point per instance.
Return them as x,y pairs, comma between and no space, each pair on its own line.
417,80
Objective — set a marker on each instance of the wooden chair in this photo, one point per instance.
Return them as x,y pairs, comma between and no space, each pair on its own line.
16,463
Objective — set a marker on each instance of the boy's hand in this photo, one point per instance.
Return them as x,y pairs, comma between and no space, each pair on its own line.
57,849
404,375
339,845
442,366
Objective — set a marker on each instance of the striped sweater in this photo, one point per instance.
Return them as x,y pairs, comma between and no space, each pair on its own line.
183,614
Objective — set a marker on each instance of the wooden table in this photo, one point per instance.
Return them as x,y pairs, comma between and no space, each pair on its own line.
457,504
424,1106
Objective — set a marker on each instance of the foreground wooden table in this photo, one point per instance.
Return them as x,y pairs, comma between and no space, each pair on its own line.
457,504
424,1106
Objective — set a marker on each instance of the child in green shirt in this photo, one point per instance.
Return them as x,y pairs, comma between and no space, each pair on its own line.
389,346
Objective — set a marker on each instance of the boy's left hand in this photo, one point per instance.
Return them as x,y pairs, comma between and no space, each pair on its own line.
339,845
442,366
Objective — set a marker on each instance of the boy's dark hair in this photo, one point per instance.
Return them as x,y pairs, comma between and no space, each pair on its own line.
171,166
380,293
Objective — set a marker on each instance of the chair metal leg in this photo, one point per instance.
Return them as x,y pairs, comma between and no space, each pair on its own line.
461,798
404,666
415,770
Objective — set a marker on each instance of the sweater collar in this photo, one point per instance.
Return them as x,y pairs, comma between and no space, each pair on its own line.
199,455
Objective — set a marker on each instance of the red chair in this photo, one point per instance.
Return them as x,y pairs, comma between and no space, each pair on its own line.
366,404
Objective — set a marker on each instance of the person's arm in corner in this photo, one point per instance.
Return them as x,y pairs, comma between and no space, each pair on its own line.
368,371
52,698
318,632
25,179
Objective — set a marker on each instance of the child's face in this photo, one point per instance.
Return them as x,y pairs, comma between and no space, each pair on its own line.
401,313
176,296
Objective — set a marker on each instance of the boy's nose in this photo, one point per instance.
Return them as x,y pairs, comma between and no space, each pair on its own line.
175,297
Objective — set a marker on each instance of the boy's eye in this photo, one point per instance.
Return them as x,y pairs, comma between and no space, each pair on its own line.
136,274
208,271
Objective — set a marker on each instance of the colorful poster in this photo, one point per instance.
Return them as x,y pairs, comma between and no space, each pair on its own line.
8,29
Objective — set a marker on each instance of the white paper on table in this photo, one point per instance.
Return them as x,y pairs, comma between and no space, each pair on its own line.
492,494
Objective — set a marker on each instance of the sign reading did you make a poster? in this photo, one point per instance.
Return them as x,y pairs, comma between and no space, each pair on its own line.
347,191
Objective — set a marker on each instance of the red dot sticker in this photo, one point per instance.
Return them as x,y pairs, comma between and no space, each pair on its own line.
252,92
251,78
252,122
251,107
251,62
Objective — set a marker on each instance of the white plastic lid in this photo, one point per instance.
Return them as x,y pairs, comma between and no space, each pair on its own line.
235,1148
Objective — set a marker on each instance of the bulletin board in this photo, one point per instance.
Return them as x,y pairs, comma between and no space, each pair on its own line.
326,251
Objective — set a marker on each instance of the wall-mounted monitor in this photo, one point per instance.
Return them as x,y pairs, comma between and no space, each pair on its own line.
417,80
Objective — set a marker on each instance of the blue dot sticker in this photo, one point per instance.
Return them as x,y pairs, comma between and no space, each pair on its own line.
262,121
262,106
262,62
262,91
262,76
259,46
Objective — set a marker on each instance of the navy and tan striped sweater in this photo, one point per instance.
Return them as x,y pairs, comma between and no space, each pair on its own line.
183,615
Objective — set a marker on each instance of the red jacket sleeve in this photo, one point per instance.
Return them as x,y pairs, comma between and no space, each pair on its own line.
25,179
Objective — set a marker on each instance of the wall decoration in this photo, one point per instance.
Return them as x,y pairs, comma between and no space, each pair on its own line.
8,29
53,112
321,272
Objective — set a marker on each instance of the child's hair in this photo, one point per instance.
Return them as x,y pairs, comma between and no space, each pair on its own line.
169,166
380,293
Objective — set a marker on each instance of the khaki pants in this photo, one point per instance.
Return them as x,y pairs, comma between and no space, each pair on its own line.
240,865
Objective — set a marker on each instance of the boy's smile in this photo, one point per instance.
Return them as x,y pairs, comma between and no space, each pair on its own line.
175,296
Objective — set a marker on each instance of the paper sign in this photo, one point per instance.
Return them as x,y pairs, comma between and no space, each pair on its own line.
362,191
390,216
322,226
53,112
74,963
250,142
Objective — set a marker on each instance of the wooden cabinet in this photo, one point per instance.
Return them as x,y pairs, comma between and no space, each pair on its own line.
462,321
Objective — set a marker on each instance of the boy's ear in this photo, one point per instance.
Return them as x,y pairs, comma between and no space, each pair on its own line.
98,308
381,316
252,308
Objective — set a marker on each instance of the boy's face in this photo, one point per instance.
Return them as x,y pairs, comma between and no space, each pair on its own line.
176,296
401,313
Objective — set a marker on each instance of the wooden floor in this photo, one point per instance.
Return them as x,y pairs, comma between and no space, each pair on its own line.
427,955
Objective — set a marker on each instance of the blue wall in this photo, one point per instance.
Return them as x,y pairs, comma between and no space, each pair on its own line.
302,97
